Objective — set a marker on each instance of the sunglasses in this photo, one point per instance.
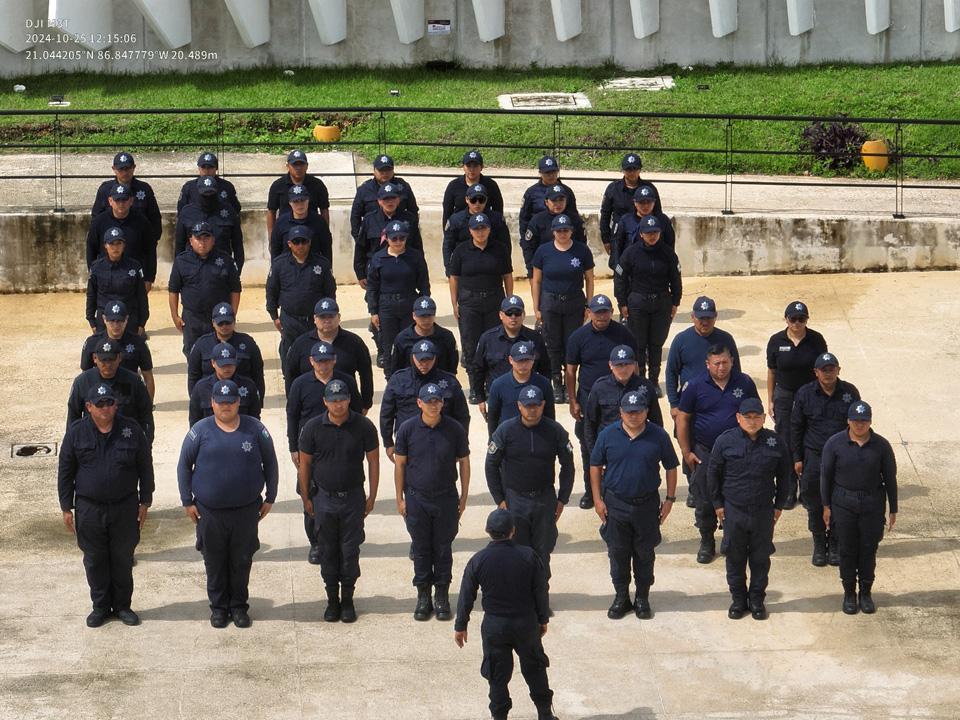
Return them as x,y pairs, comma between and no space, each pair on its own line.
798,319
299,241
105,403
476,199
513,313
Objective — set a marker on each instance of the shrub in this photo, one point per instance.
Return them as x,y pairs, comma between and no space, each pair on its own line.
836,144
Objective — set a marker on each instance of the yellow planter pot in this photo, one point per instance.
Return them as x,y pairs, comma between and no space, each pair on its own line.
874,154
326,133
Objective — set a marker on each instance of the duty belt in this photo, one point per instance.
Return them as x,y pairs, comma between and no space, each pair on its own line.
302,318
482,293
428,494
750,508
395,296
648,296
339,494
561,297
528,493
856,493
635,500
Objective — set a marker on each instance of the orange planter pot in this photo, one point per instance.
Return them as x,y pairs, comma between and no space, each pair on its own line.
874,154
326,133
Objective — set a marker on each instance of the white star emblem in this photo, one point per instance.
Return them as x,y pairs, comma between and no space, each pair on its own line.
395,227
644,192
562,220
223,311
129,349
335,387
737,393
141,195
388,188
799,306
107,346
513,300
860,408
575,262
531,392
632,399
247,446
298,154
601,301
322,348
548,161
132,273
219,262
317,270
297,189
825,357
431,389
704,305
772,441
207,158
424,303
383,159
114,232
115,308
473,154
631,159
424,347
224,353
224,213
123,158
127,432
324,305
223,194
243,392
523,348
622,354
651,221
443,383
243,346
224,390
642,390
847,397
101,390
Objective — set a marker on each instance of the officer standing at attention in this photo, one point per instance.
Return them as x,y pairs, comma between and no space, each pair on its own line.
144,201
116,277
625,476
535,195
225,463
455,195
858,479
207,166
588,360
748,480
602,408
430,450
296,281
709,407
507,389
521,472
138,234
300,216
219,214
540,230
106,473
366,199
224,363
561,283
249,357
333,446
425,327
617,199
515,615
819,412
626,231
136,353
372,235
202,278
457,229
296,174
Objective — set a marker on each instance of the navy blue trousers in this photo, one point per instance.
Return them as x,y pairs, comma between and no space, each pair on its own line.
632,532
859,523
502,636
339,530
108,533
536,522
228,539
433,523
748,540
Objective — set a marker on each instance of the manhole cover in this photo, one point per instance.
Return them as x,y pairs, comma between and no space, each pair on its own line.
661,82
543,101
38,450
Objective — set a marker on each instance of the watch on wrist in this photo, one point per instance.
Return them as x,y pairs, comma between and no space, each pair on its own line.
671,499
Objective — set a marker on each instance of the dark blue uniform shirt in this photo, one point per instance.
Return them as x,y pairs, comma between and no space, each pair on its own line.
365,201
457,232
448,357
338,451
405,274
278,197
133,400
818,416
480,268
647,270
742,471
533,202
633,465
399,402
616,202
455,196
227,231
190,193
794,363
524,458
321,240
868,468
136,352
353,358
121,280
249,359
144,202
715,410
589,349
138,240
305,402
371,237
250,401
297,287
432,453
688,358
203,283
602,408
492,358
626,232
563,270
505,393
540,232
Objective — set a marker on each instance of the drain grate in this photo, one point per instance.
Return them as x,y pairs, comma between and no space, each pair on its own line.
543,101
37,450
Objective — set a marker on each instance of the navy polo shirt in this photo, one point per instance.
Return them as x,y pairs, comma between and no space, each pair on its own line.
432,453
353,358
633,465
305,401
523,459
848,465
617,201
203,283
794,363
399,402
715,409
563,270
371,237
321,241
249,359
297,286
493,352
136,352
144,202
535,201
817,416
190,193
688,357
227,229
456,231
249,398
480,268
742,470
602,408
365,201
645,270
138,235
448,357
505,393
403,274
540,232
455,195
278,197
589,349
338,451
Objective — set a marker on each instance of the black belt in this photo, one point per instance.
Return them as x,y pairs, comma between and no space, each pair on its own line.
635,500
427,494
750,508
307,319
124,499
481,293
338,495
562,298
856,493
647,296
528,493
395,296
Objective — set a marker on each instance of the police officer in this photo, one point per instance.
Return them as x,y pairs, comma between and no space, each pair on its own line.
602,408
617,199
507,389
535,195
207,166
249,357
540,229
223,220
365,201
454,197
492,358
296,281
144,201
819,412
480,277
562,273
106,473
201,277
133,400
425,327
332,448
296,175
648,287
136,353
300,216
515,616
224,362
225,463
372,235
748,480
457,229
400,397
353,357
858,479
708,407
521,472
625,477
588,359
139,241
626,230
116,277
431,448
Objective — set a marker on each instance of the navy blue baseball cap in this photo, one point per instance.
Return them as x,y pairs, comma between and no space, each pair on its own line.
531,395
223,312
398,228
796,309
561,222
547,164
827,358
225,391
511,302
479,220
633,402
336,390
298,231
644,193
600,302
751,405
523,350
859,411
424,349
382,161
430,391
296,156
322,351
388,190
115,310
704,307
475,190
113,235
119,191
108,349
202,228
207,186
123,160
326,306
473,156
556,191
208,159
224,354
297,192
622,355
650,224
424,306
100,391
631,161
500,523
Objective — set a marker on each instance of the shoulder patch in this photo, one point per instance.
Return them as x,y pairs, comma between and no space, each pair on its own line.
492,448
192,434
569,447
265,433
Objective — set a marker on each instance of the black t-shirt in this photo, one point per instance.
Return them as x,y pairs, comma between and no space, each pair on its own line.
794,363
338,451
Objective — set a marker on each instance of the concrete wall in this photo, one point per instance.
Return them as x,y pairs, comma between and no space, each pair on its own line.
43,253
685,37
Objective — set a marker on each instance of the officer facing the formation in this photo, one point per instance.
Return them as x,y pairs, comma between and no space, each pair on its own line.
224,363
458,231
602,408
296,175
208,166
116,277
429,451
617,199
144,201
424,327
136,353
225,463
365,201
507,389
332,449
708,407
300,216
748,480
249,357
515,616
201,277
219,214
857,481
106,473
454,197
296,281
819,412
534,197
627,230
521,472
625,476
139,241
540,230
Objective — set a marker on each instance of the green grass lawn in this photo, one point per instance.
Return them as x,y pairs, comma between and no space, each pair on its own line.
913,91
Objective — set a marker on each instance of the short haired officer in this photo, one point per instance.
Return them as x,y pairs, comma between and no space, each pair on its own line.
430,450
249,357
455,194
296,281
540,230
138,234
602,408
627,229
208,166
372,235
858,479
515,616
300,216
819,412
425,327
332,448
588,360
136,353
144,201
116,276
226,463
296,175
201,278
224,362
457,229
106,472
521,472
133,400
748,480
707,408
507,389
535,195
365,201
625,475
218,214
618,197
